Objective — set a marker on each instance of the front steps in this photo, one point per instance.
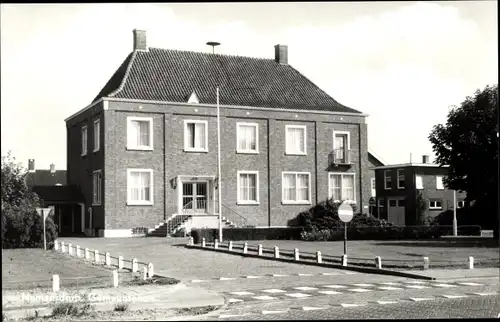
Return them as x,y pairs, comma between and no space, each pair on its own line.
166,229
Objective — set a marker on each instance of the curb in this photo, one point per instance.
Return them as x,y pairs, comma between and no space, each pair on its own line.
349,268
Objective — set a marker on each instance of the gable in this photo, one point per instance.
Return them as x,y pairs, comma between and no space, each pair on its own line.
193,99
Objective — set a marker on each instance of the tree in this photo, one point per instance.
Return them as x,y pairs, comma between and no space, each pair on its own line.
468,143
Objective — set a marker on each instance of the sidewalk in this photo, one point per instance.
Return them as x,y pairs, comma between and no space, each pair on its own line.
441,274
19,304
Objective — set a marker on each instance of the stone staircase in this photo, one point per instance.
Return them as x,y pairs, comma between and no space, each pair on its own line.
168,227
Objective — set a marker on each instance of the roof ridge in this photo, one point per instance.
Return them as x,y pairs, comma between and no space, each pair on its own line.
127,73
203,53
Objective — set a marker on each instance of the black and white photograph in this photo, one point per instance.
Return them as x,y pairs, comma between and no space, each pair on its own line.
239,161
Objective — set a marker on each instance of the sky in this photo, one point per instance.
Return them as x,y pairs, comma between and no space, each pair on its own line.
403,63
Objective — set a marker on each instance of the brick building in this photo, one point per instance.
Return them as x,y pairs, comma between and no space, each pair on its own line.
145,150
409,193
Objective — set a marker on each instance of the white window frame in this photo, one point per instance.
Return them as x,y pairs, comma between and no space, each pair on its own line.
186,147
417,186
385,180
97,195
303,127
295,202
439,183
348,143
97,135
342,174
373,187
131,202
458,203
85,139
435,207
248,202
238,150
148,147
401,172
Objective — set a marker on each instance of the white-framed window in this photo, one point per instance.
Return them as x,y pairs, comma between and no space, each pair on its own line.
247,137
139,186
460,204
296,188
97,135
401,178
248,187
341,187
97,187
380,203
195,135
373,187
341,145
439,183
419,182
435,204
387,180
139,133
84,140
296,138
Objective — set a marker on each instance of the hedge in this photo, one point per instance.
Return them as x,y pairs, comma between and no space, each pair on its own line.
353,233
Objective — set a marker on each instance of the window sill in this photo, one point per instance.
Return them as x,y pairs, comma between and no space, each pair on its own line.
295,153
196,150
247,152
401,188
248,203
83,154
139,148
96,204
139,203
295,203
387,188
96,151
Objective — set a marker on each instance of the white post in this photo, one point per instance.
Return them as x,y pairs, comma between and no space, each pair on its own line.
276,252
318,257
296,254
55,283
378,262
259,250
144,273
96,256
203,243
77,251
191,241
455,228
245,248
63,247
135,266
426,263
230,246
70,249
115,278
219,181
216,244
56,245
107,257
344,260
471,262
120,262
150,270
87,254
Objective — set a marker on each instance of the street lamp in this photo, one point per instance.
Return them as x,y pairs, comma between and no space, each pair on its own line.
219,181
455,228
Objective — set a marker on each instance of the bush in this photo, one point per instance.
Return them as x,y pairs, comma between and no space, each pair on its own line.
373,233
23,228
235,234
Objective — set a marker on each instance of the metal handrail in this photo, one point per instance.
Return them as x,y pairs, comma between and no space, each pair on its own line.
244,220
340,156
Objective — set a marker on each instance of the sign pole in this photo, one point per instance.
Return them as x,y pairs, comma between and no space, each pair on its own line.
345,215
345,238
44,238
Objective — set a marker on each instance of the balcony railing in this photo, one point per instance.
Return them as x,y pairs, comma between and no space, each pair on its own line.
340,156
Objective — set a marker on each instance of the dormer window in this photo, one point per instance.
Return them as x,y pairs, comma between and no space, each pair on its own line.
193,99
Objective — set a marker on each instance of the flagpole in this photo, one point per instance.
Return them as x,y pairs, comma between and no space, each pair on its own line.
219,181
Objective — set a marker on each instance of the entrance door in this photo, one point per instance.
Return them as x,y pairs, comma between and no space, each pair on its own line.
194,197
396,211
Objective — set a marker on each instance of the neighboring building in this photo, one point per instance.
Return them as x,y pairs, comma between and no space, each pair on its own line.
66,200
144,152
374,161
409,193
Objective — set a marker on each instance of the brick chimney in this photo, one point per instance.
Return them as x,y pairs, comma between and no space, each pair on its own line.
281,54
425,159
31,165
52,168
140,40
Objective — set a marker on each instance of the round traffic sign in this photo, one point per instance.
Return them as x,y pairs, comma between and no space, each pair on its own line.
345,212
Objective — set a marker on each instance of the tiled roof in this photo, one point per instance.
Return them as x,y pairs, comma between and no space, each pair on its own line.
59,193
45,178
172,75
